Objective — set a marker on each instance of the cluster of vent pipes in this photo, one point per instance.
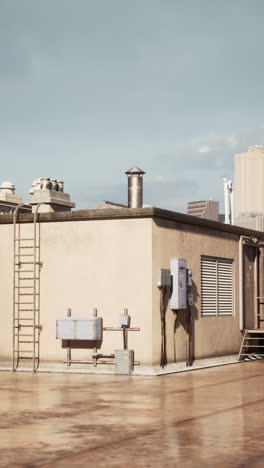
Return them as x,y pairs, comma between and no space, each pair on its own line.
45,183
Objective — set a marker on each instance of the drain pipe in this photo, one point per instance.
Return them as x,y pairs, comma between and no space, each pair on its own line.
241,292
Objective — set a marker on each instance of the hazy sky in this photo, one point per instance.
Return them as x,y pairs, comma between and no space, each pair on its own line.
89,88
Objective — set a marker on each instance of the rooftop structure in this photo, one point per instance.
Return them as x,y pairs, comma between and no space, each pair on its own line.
50,193
9,199
101,264
108,205
98,258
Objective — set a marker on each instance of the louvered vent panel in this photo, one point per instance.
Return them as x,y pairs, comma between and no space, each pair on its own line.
209,286
225,287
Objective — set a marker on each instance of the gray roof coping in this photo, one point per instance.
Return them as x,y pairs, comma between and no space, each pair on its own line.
134,213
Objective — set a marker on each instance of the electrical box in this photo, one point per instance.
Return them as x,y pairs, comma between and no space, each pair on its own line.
79,328
164,278
190,299
124,361
124,320
189,277
179,283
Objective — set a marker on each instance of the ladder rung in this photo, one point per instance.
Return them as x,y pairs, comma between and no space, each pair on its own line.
23,239
253,338
250,354
25,326
23,341
29,247
25,357
253,346
27,278
28,263
22,303
29,351
28,294
28,310
24,287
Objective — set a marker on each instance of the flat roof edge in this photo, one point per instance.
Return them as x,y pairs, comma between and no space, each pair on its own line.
205,223
132,213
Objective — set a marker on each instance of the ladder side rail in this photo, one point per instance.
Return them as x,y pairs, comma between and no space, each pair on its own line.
36,309
15,305
242,345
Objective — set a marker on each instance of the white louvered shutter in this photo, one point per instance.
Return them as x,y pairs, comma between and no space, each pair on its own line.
216,286
208,286
225,287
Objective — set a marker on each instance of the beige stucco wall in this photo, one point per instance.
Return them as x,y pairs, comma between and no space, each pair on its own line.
213,336
97,263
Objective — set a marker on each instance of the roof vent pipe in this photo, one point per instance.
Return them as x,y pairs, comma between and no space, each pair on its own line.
229,201
135,187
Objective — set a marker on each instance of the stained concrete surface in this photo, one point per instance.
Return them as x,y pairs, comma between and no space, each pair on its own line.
211,417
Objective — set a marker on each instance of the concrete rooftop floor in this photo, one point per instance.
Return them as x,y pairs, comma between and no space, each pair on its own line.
211,417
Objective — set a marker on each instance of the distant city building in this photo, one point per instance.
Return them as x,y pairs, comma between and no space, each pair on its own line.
208,209
249,188
251,221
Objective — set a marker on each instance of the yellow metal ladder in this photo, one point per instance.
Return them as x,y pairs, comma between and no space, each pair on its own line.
26,293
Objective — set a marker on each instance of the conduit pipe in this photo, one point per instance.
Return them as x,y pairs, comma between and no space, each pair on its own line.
242,240
241,275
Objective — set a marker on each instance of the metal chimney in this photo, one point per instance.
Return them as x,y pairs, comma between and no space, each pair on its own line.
135,187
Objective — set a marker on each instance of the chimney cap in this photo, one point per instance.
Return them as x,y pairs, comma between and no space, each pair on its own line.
135,171
8,186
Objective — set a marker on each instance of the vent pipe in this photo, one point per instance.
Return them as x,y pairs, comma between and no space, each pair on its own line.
135,187
229,201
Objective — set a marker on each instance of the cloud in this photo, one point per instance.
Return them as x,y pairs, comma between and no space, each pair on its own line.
204,149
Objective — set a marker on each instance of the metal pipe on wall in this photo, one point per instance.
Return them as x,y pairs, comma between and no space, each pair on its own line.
241,295
68,343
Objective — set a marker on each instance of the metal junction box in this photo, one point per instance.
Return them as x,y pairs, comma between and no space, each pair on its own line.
124,361
124,320
79,328
179,291
164,278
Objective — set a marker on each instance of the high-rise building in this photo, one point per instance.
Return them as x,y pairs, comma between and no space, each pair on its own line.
208,209
249,188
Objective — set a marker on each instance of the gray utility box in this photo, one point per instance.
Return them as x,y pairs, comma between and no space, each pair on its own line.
79,328
124,320
124,361
179,286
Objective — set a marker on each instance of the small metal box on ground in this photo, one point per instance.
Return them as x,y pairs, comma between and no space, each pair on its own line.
124,361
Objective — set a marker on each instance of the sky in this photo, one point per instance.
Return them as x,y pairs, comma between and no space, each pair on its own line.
90,88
